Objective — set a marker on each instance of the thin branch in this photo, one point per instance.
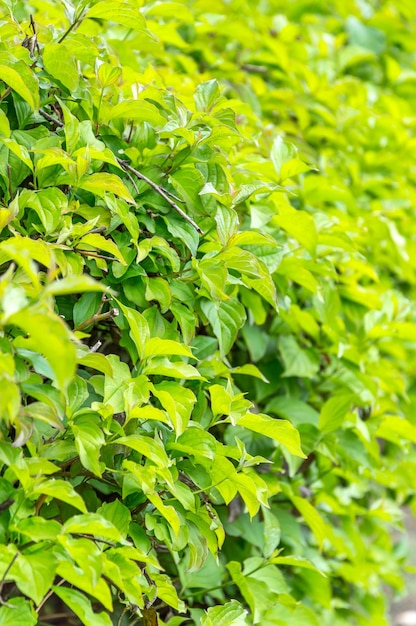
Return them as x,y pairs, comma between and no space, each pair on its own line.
53,616
3,580
6,504
162,192
48,595
9,177
255,69
98,317
94,254
167,195
133,182
108,543
172,195
71,27
99,229
50,118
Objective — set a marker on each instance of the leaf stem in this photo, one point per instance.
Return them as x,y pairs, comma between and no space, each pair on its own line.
98,317
75,23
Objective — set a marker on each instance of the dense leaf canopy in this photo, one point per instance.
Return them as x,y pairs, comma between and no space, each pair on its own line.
207,327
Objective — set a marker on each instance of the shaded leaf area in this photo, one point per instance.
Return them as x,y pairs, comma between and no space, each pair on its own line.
207,320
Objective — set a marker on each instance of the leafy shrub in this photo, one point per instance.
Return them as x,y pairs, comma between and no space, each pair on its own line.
207,334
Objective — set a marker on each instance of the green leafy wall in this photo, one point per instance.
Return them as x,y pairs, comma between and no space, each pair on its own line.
207,328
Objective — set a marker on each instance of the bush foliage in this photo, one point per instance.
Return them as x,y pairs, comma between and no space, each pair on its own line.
207,329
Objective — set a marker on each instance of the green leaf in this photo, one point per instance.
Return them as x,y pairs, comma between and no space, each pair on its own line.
88,441
249,370
157,347
60,353
61,490
73,284
59,62
34,573
281,153
272,532
297,361
173,369
167,592
138,111
226,318
178,403
120,11
49,204
229,614
85,308
94,240
139,328
299,225
365,36
92,524
118,514
4,125
150,448
227,223
97,362
333,413
394,428
220,400
81,606
18,612
183,231
296,411
312,518
101,183
16,81
20,151
296,561
38,528
206,95
108,74
281,431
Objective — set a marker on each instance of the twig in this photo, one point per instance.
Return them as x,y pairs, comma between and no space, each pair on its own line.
96,346
303,468
50,118
3,580
77,21
133,182
255,69
172,195
48,595
94,254
99,229
98,317
123,613
108,543
162,192
31,43
6,504
9,177
52,616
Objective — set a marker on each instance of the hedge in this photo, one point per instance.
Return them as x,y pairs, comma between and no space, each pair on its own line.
207,319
